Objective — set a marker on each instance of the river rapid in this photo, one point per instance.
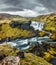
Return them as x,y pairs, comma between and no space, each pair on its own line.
23,44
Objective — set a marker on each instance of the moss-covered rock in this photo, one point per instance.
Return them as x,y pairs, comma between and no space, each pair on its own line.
53,36
47,51
41,33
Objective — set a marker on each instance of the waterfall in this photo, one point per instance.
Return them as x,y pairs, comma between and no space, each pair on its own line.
37,25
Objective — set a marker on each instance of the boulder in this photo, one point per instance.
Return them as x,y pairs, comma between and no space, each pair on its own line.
53,61
20,54
11,60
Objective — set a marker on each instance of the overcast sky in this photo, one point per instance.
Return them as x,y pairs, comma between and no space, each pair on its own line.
27,7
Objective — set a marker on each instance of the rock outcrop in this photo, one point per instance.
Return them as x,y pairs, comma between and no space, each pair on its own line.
10,60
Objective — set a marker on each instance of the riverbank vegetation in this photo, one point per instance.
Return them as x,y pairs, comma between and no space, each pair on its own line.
6,31
46,51
25,58
53,36
12,29
49,20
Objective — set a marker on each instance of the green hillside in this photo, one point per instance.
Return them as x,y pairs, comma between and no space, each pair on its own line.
29,58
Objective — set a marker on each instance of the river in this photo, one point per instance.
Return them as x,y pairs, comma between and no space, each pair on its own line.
23,43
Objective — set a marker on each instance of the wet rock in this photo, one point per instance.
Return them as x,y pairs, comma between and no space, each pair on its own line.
36,49
25,26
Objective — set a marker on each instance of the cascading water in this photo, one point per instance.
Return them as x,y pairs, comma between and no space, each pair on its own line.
23,43
37,25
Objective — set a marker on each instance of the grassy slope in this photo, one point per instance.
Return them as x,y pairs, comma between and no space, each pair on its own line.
49,20
29,59
7,31
50,23
12,18
8,50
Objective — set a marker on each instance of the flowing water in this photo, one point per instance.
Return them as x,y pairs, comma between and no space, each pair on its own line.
23,44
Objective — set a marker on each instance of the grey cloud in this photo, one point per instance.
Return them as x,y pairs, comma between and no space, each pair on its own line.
50,4
26,4
12,2
12,9
17,5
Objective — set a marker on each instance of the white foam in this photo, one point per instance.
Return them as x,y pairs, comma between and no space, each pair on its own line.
12,44
33,39
24,48
37,25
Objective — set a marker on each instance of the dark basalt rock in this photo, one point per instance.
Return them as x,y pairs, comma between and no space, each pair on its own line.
53,61
0,27
2,56
25,26
20,54
17,24
0,24
36,49
45,46
14,24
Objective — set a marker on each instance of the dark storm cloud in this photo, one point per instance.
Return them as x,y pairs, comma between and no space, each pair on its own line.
12,9
19,5
10,5
12,2
50,4
28,4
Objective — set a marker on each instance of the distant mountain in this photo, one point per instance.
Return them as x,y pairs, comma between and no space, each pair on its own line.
5,15
45,18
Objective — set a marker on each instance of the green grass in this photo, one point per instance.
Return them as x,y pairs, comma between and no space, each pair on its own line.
7,31
31,59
